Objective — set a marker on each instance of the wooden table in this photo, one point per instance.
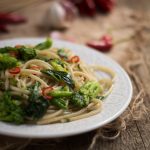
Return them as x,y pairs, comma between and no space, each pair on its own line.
130,17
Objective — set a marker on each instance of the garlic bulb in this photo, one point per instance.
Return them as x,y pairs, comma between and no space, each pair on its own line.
56,16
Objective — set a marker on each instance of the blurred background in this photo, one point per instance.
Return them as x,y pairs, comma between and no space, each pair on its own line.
95,23
100,24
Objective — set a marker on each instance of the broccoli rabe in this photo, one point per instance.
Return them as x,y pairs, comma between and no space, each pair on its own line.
37,105
91,89
61,97
22,52
36,109
88,91
26,53
62,92
10,110
60,76
80,100
58,65
34,91
58,93
61,103
7,49
7,62
45,45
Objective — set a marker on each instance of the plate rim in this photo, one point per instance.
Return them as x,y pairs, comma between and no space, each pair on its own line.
93,126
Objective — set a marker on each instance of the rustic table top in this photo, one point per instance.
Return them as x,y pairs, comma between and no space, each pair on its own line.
130,17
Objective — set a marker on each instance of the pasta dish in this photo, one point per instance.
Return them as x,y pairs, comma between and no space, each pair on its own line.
42,85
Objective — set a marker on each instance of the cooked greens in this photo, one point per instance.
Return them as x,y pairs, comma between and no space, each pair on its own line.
7,62
36,109
88,91
7,49
80,100
61,103
59,76
10,109
26,53
58,93
45,45
35,82
91,89
58,65
61,92
37,105
23,53
34,92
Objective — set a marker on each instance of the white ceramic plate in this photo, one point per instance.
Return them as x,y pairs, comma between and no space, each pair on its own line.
113,105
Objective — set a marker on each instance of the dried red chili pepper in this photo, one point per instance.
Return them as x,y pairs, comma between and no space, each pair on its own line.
15,70
45,92
105,44
85,7
7,18
74,59
107,39
105,5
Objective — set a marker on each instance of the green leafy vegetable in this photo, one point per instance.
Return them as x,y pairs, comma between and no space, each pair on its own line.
26,53
34,92
80,100
60,103
37,105
60,76
58,65
7,62
61,92
45,45
36,109
65,88
88,91
7,49
10,110
62,54
91,88
23,53
57,93
61,97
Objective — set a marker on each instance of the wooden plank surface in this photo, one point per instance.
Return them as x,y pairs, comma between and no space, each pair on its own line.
125,20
